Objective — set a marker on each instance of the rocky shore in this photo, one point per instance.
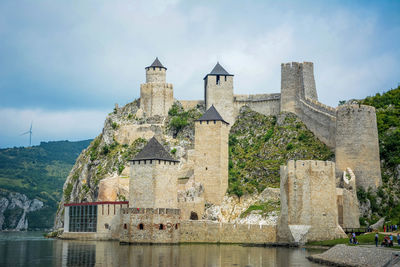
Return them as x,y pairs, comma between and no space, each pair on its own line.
352,256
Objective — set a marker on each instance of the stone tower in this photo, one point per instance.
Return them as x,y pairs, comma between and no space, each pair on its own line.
309,210
357,144
211,155
153,182
152,216
297,81
156,96
218,91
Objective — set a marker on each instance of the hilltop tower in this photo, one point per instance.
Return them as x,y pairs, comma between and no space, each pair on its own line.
297,81
357,144
156,96
152,216
218,91
211,155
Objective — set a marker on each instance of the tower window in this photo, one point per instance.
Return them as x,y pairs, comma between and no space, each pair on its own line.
225,78
125,226
161,227
217,81
141,226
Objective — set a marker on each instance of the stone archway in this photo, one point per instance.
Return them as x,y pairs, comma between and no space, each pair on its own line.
194,216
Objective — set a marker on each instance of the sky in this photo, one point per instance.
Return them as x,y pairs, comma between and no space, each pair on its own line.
64,64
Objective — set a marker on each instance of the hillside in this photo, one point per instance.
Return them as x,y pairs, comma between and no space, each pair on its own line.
29,173
385,202
259,145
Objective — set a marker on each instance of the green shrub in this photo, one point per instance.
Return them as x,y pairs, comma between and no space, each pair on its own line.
173,151
289,146
67,192
114,125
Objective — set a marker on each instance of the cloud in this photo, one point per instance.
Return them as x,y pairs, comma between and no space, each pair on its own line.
49,125
89,55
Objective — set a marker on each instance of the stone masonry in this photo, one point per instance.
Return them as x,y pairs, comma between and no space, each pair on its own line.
309,210
156,96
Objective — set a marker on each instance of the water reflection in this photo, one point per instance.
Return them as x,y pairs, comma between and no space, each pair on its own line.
33,250
113,254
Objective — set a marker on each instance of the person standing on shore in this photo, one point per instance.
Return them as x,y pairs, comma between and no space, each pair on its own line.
376,239
398,239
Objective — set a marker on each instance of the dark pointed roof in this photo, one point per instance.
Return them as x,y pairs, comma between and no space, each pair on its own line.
218,70
212,115
156,63
154,150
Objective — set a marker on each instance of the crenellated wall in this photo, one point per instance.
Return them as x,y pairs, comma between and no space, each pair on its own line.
319,119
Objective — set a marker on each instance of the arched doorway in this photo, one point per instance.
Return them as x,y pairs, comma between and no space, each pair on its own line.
193,216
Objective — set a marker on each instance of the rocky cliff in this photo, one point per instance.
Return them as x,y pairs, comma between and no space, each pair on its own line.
14,210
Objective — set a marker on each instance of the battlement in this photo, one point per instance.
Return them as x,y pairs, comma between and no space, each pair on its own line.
320,106
256,97
295,165
347,109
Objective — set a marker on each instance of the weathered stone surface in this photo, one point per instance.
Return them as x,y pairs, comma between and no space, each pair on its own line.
113,189
309,210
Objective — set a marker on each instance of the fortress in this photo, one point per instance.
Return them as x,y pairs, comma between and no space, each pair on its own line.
318,198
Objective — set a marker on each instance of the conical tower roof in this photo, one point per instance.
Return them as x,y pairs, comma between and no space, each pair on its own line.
156,63
212,115
154,151
219,70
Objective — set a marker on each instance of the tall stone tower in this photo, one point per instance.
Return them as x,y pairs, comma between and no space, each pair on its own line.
211,155
156,96
218,91
297,81
357,144
152,216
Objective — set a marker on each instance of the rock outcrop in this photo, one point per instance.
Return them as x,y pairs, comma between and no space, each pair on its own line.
17,206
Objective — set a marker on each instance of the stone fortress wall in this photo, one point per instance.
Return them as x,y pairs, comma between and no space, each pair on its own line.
267,104
216,232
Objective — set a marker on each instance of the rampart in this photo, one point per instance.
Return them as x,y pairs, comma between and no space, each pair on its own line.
189,104
357,144
319,119
216,232
267,104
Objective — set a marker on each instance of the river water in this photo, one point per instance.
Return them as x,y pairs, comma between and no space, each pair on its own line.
32,249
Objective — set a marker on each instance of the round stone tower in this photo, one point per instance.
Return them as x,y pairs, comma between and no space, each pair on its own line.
357,145
156,72
156,96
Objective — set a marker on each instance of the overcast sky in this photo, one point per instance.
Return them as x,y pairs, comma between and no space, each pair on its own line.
64,64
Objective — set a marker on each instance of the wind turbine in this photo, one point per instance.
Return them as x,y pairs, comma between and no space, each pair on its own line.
30,135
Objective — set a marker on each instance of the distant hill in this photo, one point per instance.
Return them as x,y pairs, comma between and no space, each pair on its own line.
37,172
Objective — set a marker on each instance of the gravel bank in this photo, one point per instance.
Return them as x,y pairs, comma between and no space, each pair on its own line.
342,255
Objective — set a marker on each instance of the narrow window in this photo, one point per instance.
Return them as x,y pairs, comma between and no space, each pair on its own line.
141,226
125,226
106,226
161,227
225,78
176,226
217,79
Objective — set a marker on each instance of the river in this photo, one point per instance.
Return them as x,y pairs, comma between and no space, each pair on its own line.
32,249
